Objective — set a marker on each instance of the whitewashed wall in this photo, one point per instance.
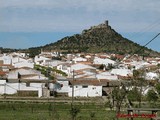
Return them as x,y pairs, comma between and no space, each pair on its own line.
12,88
24,64
64,88
2,86
6,59
17,59
100,61
91,91
38,58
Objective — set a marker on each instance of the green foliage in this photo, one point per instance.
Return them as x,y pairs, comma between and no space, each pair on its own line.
118,94
33,52
50,107
74,112
51,111
92,115
136,74
152,96
134,94
47,71
157,87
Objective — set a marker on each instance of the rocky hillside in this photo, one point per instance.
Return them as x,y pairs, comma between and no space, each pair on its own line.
100,38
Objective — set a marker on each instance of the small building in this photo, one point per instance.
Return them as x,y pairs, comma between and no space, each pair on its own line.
106,61
24,87
85,88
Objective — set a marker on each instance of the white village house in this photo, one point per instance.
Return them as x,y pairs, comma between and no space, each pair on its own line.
106,61
26,80
69,68
17,61
122,72
85,88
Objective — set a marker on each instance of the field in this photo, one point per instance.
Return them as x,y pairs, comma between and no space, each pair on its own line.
55,111
50,111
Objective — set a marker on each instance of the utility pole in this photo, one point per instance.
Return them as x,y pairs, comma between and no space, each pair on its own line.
4,90
48,75
72,107
19,85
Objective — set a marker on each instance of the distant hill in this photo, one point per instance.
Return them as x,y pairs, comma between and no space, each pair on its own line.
100,38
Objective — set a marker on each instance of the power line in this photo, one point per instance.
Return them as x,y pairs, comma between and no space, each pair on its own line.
151,40
144,45
146,29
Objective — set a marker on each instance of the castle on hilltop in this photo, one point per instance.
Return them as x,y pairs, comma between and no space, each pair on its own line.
102,25
106,22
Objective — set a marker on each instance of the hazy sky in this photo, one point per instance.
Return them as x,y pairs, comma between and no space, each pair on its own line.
27,23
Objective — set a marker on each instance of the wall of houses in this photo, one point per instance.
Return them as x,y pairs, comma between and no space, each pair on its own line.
12,88
65,69
85,91
100,61
18,59
14,73
6,59
40,60
64,87
2,86
24,64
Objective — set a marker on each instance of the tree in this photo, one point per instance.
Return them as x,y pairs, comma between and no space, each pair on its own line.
74,112
119,94
139,81
152,96
134,94
157,87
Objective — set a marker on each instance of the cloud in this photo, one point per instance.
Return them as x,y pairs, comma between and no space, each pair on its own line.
87,4
75,15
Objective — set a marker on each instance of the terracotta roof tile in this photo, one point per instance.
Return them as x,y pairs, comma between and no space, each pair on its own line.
2,73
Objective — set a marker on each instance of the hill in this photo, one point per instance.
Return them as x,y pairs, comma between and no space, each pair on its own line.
100,38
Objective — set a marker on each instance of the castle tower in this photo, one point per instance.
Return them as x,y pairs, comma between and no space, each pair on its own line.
106,22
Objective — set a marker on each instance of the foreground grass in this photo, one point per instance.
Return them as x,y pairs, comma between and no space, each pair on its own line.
51,111
54,111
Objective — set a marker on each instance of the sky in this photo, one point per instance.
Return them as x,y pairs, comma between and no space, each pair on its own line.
31,23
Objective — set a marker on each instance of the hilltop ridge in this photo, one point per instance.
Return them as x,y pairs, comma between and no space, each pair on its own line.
96,39
100,38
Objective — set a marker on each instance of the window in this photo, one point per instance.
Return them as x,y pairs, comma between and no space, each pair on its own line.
85,86
94,88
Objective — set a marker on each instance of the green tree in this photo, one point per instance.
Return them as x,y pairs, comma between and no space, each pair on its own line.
74,112
139,81
134,94
119,94
157,87
152,96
